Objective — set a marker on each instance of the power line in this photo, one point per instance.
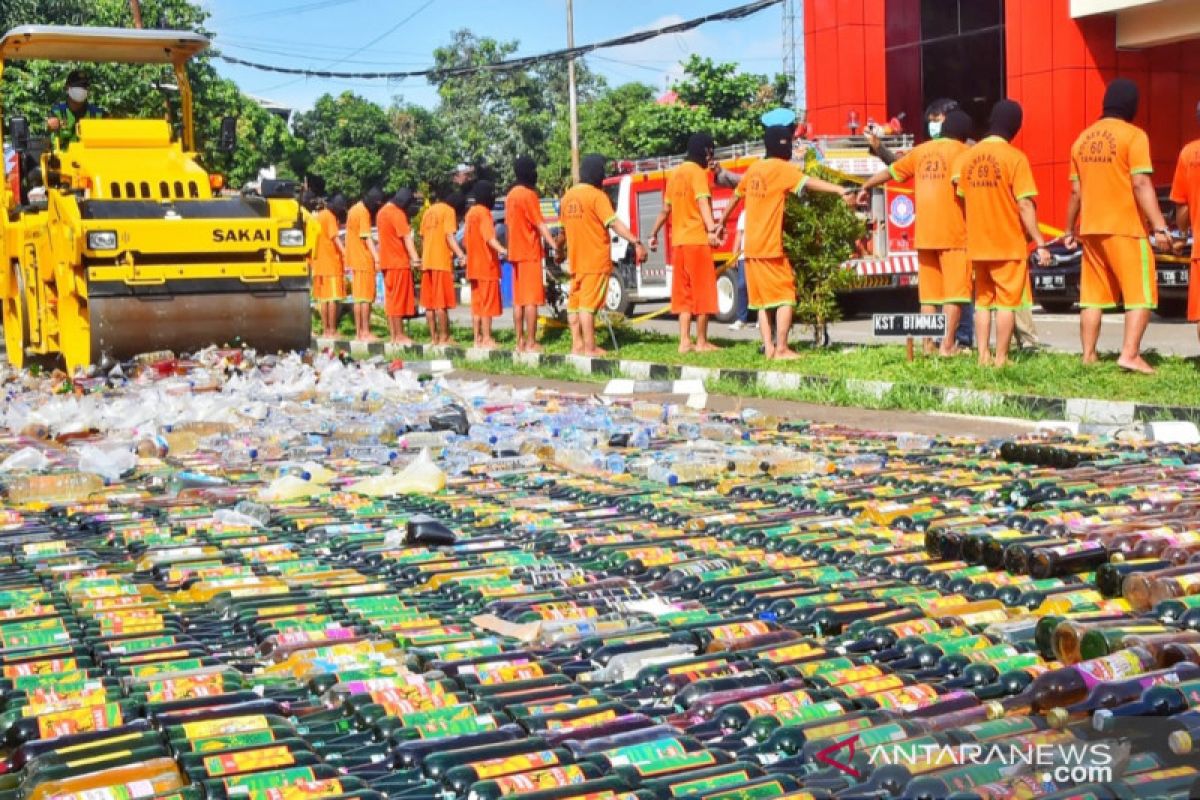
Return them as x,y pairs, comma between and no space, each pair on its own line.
383,35
292,10
523,62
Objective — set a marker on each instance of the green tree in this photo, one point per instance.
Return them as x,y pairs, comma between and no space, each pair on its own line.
127,90
819,235
604,127
349,141
712,97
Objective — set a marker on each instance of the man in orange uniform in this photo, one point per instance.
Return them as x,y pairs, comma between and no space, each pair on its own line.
996,184
439,248
770,280
1111,196
327,265
944,274
1185,193
687,202
526,232
362,259
398,257
484,252
587,214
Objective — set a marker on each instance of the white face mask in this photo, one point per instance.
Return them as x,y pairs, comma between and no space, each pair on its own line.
77,93
935,129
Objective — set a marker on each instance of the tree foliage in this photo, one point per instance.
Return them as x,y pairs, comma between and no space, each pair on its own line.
128,90
819,234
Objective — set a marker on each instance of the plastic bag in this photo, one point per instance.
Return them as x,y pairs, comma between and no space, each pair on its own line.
27,459
420,476
109,464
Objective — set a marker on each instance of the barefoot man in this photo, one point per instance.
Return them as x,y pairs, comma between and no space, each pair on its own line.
587,215
770,280
362,257
1112,196
526,232
687,202
943,272
996,184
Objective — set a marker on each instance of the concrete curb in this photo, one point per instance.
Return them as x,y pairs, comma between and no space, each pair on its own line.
1078,410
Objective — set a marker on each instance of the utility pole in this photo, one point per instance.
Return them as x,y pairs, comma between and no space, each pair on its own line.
572,102
136,7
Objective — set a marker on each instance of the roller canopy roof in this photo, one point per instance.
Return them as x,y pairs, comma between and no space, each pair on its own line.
112,45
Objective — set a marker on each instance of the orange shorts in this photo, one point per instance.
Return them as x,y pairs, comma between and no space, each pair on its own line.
1117,269
437,289
485,298
400,299
693,280
1002,285
587,292
528,289
943,277
770,282
362,285
327,288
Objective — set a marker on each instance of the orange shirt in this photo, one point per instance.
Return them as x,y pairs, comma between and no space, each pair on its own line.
358,235
438,221
766,186
586,213
522,215
483,263
1186,188
1104,160
687,184
992,176
940,223
328,259
392,223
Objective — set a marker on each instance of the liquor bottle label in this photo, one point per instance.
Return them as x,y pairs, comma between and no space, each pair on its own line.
540,780
248,761
509,765
209,728
79,720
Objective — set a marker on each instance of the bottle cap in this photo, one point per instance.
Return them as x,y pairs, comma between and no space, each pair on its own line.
1057,718
1100,719
1180,742
995,710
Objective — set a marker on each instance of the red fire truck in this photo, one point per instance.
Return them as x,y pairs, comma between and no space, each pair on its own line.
886,267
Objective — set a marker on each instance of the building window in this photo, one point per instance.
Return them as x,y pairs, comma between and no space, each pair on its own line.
944,48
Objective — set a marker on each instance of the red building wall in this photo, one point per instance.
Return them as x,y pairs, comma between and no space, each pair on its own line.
1057,68
844,51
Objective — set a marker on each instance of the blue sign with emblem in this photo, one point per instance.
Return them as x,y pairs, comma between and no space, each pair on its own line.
902,212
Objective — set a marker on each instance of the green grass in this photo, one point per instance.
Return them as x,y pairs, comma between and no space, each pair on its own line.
1041,374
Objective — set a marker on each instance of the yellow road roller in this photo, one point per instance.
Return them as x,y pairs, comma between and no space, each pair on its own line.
121,243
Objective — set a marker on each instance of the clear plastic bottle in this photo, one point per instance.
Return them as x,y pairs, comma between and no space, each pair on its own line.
61,487
418,440
372,454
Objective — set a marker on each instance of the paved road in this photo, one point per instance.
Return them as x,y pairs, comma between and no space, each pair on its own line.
1057,331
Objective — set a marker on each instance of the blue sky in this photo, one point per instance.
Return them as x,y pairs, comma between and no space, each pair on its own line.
326,35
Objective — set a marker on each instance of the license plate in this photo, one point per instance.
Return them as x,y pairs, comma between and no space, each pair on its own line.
1173,277
1051,281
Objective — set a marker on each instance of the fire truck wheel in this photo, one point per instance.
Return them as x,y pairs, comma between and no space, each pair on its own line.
727,296
617,300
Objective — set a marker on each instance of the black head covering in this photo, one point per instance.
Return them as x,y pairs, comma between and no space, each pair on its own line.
526,171
403,198
591,169
485,194
457,201
778,141
957,125
700,148
1006,120
1121,99
338,205
373,199
309,200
